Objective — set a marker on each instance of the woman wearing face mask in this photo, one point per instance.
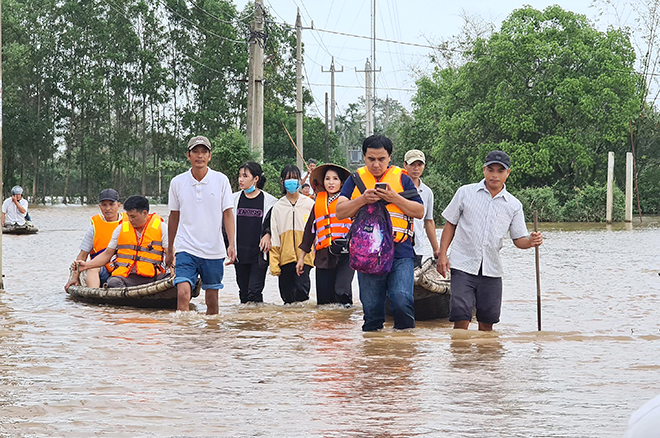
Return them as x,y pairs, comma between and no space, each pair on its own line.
333,271
287,222
251,205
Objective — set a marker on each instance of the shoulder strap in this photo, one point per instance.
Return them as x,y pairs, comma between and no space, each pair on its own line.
357,180
409,194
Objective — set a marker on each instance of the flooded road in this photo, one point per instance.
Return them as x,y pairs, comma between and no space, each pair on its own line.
69,369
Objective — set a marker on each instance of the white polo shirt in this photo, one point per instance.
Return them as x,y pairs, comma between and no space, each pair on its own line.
422,244
12,215
201,205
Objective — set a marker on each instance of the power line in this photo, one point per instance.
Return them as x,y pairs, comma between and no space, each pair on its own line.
216,18
362,87
199,27
310,89
130,23
385,40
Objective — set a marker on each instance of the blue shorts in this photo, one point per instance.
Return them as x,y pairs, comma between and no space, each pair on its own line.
188,267
104,275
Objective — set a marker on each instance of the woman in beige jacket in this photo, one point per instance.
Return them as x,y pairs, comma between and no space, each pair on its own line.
287,223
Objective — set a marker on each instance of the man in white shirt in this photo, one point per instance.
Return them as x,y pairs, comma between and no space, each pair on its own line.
15,208
478,218
200,203
426,241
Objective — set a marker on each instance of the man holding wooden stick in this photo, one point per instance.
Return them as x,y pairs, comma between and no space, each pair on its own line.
478,218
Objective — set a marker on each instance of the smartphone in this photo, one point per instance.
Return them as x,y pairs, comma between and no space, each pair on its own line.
382,186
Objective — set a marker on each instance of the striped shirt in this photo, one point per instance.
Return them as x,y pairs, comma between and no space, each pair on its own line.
482,222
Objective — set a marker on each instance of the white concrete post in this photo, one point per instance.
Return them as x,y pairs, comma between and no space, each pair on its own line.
629,187
610,187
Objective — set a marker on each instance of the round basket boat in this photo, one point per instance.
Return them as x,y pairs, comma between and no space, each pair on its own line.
160,294
28,228
431,293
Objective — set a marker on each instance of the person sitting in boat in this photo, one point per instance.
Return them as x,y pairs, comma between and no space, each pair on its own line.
139,243
98,236
14,209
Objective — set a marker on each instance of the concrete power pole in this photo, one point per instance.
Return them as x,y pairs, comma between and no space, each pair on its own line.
299,94
327,160
255,104
333,103
369,101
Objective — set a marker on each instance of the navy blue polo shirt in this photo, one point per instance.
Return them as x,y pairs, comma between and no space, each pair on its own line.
403,250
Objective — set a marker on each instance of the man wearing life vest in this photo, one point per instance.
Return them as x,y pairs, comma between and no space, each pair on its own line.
398,284
98,236
139,244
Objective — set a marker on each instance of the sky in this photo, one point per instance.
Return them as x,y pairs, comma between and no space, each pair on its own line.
411,21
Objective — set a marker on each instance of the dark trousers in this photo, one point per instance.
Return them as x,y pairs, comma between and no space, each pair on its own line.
251,280
293,287
134,280
334,285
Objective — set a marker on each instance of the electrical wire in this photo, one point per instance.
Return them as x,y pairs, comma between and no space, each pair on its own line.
236,19
199,27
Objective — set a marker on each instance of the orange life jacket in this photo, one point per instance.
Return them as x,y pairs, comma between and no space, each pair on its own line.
402,225
328,227
147,254
102,235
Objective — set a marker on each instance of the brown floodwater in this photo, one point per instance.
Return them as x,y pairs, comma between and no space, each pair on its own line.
69,369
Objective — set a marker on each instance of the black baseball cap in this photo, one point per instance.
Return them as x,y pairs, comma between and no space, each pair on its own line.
109,195
497,157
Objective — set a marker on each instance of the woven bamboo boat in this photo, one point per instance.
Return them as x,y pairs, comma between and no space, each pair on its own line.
28,228
160,294
431,293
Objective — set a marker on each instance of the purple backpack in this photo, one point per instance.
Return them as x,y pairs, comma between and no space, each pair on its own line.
371,247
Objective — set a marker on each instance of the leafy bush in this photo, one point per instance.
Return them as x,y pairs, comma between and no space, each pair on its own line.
590,202
649,190
272,179
541,199
230,151
443,189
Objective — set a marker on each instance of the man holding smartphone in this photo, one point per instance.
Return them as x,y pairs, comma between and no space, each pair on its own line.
385,183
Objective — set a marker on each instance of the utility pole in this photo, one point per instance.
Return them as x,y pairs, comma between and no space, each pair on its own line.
333,103
299,93
255,104
369,101
327,159
2,281
387,112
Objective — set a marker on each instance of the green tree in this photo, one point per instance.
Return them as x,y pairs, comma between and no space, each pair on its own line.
548,88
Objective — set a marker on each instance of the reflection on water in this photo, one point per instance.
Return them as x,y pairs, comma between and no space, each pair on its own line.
74,369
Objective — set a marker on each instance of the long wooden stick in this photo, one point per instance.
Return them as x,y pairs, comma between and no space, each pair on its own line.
538,272
294,145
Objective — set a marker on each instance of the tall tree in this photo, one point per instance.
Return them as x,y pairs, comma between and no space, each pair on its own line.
548,88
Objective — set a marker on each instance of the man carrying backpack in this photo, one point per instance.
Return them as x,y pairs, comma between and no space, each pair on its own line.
381,182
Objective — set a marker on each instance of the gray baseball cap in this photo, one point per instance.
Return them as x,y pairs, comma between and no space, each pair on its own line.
109,195
199,140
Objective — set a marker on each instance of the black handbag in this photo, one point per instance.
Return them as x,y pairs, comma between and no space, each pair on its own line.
339,247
